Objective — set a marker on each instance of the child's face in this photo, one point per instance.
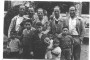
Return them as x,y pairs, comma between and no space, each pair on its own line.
13,35
39,28
56,44
65,30
28,25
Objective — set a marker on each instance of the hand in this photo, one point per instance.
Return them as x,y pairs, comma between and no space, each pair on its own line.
31,53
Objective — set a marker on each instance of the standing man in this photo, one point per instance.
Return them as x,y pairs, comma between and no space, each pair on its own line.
56,22
40,17
76,29
17,20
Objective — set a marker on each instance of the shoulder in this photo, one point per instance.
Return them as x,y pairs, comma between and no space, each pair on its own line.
17,40
58,49
51,16
15,17
69,36
24,30
80,18
33,29
60,35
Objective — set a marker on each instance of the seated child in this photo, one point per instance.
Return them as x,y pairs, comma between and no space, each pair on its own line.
66,43
14,45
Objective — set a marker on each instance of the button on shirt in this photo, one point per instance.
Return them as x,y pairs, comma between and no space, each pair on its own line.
72,26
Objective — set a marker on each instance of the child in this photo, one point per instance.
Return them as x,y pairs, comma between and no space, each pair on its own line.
56,50
14,45
27,39
66,43
49,42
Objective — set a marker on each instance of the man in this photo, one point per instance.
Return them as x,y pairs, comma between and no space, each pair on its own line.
30,14
40,17
76,29
56,23
16,21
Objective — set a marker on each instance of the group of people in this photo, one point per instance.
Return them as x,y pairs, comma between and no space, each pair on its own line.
35,35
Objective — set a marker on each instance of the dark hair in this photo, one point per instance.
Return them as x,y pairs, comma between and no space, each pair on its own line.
38,24
29,20
65,27
55,40
13,32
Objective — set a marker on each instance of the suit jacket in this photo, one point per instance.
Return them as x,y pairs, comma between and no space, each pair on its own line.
56,28
79,26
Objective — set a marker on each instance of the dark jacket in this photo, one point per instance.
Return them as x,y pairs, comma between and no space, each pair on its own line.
56,28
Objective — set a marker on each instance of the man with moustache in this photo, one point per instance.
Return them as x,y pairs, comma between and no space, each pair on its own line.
76,29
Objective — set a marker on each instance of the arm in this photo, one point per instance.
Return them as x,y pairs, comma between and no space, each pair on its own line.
82,30
12,25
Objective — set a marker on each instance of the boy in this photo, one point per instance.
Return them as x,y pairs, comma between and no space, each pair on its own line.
56,50
66,43
14,45
27,39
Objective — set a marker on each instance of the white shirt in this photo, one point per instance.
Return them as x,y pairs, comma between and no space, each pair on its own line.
56,50
72,26
18,22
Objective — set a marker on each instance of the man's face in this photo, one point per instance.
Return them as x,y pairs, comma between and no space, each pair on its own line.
39,28
55,44
65,30
72,11
40,13
21,9
28,25
31,11
13,35
56,12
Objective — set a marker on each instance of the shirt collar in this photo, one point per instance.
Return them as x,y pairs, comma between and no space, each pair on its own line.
58,18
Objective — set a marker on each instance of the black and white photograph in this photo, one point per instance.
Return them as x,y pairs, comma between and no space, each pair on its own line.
54,30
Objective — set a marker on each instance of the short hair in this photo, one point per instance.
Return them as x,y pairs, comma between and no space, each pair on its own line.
22,6
40,9
31,8
56,7
72,6
65,27
55,40
38,24
29,20
13,32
